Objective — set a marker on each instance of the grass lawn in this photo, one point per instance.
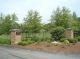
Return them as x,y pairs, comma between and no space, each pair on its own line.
4,39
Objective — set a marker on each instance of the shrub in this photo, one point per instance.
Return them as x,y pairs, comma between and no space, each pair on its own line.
57,33
35,38
69,39
63,39
66,41
4,40
26,39
78,38
73,40
47,39
23,43
76,33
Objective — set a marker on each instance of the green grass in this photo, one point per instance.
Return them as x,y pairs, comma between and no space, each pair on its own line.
4,39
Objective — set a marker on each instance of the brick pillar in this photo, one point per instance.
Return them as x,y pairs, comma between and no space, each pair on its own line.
69,33
15,36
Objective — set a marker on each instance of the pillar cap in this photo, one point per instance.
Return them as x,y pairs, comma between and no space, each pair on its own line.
68,29
15,30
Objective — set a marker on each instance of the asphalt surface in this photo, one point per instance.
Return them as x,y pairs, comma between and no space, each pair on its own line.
20,53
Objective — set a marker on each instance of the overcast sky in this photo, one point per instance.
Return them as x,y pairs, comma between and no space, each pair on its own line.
44,7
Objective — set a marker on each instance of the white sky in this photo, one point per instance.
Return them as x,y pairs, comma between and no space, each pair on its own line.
44,7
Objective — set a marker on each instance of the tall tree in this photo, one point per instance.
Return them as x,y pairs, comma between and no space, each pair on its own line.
55,17
14,18
32,22
1,23
61,17
1,18
74,22
6,25
74,16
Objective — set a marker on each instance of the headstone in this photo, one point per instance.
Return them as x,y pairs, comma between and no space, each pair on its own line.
15,36
69,33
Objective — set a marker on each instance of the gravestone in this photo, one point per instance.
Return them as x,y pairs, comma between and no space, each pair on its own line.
69,33
15,36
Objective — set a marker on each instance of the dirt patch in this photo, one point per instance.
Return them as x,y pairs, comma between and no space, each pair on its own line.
58,47
54,47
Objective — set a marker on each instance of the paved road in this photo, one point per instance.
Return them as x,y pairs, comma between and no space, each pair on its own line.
17,53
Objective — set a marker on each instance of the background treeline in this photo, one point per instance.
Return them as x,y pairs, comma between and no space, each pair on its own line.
61,18
7,23
32,22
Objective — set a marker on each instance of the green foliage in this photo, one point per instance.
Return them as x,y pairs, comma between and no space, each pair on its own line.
25,42
32,22
26,39
66,42
4,39
48,27
46,36
40,39
14,24
61,17
73,40
35,39
57,33
74,23
63,39
78,38
49,40
76,33
69,39
7,23
22,43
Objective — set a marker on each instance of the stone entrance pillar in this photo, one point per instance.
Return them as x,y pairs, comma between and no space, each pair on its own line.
69,33
15,36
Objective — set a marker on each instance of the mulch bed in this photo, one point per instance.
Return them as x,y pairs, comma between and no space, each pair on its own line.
52,47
